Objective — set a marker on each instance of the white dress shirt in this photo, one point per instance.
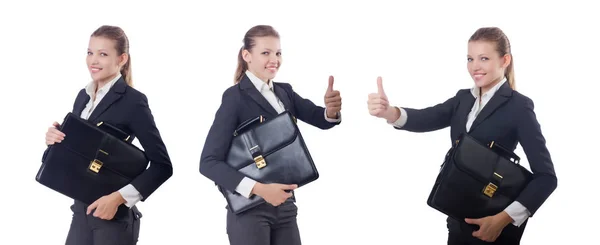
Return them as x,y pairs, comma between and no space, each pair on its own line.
129,193
266,89
515,210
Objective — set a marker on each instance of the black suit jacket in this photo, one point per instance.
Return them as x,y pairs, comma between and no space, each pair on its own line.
508,119
240,103
127,109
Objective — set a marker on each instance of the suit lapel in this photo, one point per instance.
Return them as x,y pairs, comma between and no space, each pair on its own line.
248,87
283,96
464,108
113,94
80,104
497,100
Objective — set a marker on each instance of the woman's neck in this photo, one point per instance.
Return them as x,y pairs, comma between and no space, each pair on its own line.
102,83
485,89
262,79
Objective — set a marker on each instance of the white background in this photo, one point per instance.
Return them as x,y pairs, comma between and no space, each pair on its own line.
374,180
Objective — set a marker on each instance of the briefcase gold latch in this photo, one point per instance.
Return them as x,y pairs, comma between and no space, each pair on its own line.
490,189
260,162
95,165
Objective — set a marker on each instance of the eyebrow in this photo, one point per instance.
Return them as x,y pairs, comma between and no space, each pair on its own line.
478,55
268,49
98,49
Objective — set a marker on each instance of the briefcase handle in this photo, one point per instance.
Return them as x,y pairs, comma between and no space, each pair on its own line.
246,124
250,122
121,133
504,152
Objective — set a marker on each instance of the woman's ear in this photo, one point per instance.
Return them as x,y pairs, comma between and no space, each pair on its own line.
123,58
506,60
246,55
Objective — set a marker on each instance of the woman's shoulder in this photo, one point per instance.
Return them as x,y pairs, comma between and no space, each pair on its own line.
133,96
231,93
232,89
522,99
463,91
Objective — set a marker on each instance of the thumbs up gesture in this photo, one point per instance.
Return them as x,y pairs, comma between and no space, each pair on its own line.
333,100
379,106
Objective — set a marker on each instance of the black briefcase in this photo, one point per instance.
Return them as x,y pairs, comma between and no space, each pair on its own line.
477,180
268,151
91,161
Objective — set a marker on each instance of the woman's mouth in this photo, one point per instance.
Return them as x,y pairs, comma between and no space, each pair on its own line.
478,76
95,69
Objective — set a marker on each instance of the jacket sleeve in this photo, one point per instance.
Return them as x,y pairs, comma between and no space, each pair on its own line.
144,128
308,112
532,140
217,144
431,118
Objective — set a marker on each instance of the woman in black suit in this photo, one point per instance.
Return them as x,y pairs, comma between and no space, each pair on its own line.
110,98
483,112
254,93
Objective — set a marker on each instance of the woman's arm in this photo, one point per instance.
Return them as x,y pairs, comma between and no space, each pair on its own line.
428,119
310,113
532,140
217,144
143,127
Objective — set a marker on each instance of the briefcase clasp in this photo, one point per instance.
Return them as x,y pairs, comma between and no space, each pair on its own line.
95,166
260,162
490,189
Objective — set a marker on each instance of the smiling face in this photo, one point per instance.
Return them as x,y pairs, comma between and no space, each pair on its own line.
485,64
264,59
103,60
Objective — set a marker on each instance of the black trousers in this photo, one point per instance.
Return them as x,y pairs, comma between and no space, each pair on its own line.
461,233
89,230
265,225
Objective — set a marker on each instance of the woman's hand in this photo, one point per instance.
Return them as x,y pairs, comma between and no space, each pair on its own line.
333,100
490,227
54,135
274,193
106,206
379,106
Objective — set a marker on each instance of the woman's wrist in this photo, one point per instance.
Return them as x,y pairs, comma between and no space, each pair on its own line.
393,114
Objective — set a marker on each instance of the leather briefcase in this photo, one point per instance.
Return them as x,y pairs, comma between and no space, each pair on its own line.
268,151
91,161
477,180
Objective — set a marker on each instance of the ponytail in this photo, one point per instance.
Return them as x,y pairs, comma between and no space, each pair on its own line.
510,74
241,67
126,71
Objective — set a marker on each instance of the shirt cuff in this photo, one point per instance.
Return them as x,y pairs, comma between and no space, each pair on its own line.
332,120
518,213
131,195
245,187
401,120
